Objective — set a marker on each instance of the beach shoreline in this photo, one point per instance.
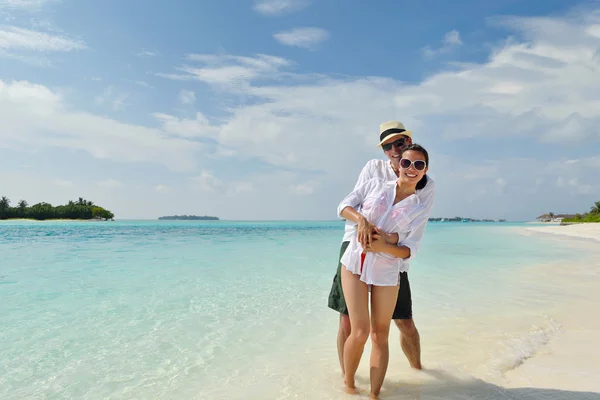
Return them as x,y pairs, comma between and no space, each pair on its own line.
589,230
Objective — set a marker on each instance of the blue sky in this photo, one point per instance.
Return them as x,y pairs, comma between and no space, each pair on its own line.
268,109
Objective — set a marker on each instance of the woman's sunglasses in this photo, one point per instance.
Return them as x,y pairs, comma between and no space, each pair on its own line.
397,143
419,164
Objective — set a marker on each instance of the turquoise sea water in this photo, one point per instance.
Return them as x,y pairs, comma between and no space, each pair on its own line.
199,310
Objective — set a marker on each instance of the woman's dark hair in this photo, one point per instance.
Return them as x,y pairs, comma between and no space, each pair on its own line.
417,147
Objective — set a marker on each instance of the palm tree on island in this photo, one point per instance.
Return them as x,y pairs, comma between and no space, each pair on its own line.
592,216
77,210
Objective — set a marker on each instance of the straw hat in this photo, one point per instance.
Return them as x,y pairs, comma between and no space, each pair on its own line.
391,129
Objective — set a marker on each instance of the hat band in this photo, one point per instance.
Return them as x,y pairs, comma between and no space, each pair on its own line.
388,132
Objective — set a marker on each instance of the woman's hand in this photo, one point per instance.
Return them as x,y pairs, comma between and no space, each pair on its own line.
391,238
365,232
377,246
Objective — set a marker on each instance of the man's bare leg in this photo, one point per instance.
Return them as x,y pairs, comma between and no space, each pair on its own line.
343,333
410,341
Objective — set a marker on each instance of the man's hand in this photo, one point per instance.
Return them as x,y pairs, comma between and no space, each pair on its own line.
365,232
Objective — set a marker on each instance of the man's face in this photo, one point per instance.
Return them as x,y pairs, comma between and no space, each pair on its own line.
396,145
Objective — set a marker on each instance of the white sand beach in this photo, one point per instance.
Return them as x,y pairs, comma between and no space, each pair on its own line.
585,231
569,361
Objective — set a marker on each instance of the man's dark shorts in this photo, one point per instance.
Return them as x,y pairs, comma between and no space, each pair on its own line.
337,302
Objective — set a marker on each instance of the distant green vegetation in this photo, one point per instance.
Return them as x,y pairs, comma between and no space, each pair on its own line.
592,216
80,209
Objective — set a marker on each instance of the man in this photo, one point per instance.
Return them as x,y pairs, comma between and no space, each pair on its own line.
393,138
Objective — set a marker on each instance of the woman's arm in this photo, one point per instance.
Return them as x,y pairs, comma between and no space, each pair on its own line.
347,210
391,238
381,246
364,229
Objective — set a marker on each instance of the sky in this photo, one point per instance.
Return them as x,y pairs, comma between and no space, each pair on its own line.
269,109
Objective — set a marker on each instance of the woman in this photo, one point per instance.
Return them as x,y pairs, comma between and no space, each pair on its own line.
390,207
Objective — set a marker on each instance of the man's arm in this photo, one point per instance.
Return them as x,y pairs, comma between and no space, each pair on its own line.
366,173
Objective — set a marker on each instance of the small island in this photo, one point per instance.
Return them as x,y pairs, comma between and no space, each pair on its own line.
463,219
188,218
76,210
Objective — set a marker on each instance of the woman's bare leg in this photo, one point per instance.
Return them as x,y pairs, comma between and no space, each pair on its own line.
383,301
357,301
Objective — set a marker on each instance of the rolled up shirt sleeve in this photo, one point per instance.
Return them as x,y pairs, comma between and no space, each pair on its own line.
427,196
355,198
413,240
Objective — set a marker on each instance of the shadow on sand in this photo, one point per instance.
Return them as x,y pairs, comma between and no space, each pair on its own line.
440,385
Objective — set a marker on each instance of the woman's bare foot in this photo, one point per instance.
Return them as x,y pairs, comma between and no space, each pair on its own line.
373,396
350,389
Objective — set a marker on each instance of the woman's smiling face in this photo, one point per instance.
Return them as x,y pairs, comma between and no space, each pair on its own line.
413,165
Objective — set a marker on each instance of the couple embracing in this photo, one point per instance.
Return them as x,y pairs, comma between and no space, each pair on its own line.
386,214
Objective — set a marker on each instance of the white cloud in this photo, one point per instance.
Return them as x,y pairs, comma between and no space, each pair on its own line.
187,97
110,96
280,7
190,128
145,53
228,69
110,184
303,189
15,38
302,37
244,187
162,188
35,115
450,41
142,84
22,4
207,182
34,60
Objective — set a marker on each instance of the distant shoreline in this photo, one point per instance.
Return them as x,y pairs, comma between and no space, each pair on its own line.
188,218
53,219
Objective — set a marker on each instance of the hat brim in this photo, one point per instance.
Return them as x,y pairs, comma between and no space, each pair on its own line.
393,135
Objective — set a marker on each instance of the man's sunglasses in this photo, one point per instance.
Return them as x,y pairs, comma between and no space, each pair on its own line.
397,143
419,164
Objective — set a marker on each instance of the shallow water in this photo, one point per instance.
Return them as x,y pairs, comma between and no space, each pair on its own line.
238,310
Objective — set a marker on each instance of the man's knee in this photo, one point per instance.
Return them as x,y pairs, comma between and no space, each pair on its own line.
407,326
345,324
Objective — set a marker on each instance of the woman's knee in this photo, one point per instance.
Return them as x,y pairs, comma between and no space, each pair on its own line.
360,332
380,334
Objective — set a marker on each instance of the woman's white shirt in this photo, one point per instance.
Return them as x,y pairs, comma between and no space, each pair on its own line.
374,199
